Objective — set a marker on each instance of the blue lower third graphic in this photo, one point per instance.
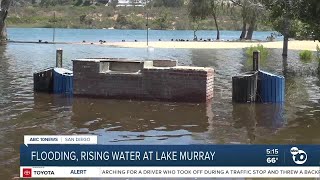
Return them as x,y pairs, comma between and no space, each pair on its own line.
168,155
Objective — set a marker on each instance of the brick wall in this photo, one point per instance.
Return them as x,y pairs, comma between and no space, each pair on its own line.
168,83
164,63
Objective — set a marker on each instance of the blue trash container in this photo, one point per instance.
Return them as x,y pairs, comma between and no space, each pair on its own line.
62,81
271,88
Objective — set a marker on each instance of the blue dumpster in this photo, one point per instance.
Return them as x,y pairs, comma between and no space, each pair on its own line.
62,81
271,88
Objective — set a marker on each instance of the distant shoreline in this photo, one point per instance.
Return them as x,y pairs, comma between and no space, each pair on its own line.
293,45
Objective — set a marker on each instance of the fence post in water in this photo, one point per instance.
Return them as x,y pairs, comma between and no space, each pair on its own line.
59,58
256,60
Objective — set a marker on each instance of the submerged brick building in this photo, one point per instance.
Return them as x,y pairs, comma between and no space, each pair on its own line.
150,80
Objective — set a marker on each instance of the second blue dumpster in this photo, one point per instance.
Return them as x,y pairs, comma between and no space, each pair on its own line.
271,88
62,81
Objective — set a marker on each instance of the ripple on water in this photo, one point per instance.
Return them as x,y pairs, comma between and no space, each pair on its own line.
147,137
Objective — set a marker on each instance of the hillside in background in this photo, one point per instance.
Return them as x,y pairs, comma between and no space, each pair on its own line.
163,14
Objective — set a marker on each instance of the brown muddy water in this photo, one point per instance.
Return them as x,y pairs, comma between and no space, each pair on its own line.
23,112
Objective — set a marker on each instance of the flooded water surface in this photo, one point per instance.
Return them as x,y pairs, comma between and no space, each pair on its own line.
220,121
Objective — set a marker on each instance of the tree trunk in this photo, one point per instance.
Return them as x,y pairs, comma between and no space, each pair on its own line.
195,38
5,4
217,26
285,45
244,30
250,31
286,31
285,38
285,65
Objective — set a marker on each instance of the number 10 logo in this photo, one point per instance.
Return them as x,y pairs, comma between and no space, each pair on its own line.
298,156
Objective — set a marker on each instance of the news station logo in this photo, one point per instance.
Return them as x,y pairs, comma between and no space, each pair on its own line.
27,172
298,155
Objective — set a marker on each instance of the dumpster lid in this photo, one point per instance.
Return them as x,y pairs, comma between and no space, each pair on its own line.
63,71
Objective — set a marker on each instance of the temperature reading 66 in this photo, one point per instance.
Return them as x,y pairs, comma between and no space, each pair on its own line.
272,155
272,160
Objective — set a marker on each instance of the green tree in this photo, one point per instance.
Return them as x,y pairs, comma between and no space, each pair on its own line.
303,16
46,3
5,4
168,3
309,13
202,9
250,12
87,3
285,12
196,15
78,2
114,3
162,21
121,21
83,19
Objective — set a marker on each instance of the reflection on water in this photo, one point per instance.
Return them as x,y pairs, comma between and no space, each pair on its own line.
265,115
138,116
141,121
146,122
253,116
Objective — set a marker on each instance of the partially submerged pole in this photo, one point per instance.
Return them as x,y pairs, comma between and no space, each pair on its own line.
59,58
256,60
147,29
54,27
319,67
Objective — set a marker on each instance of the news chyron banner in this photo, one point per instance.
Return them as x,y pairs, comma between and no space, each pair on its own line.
83,157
